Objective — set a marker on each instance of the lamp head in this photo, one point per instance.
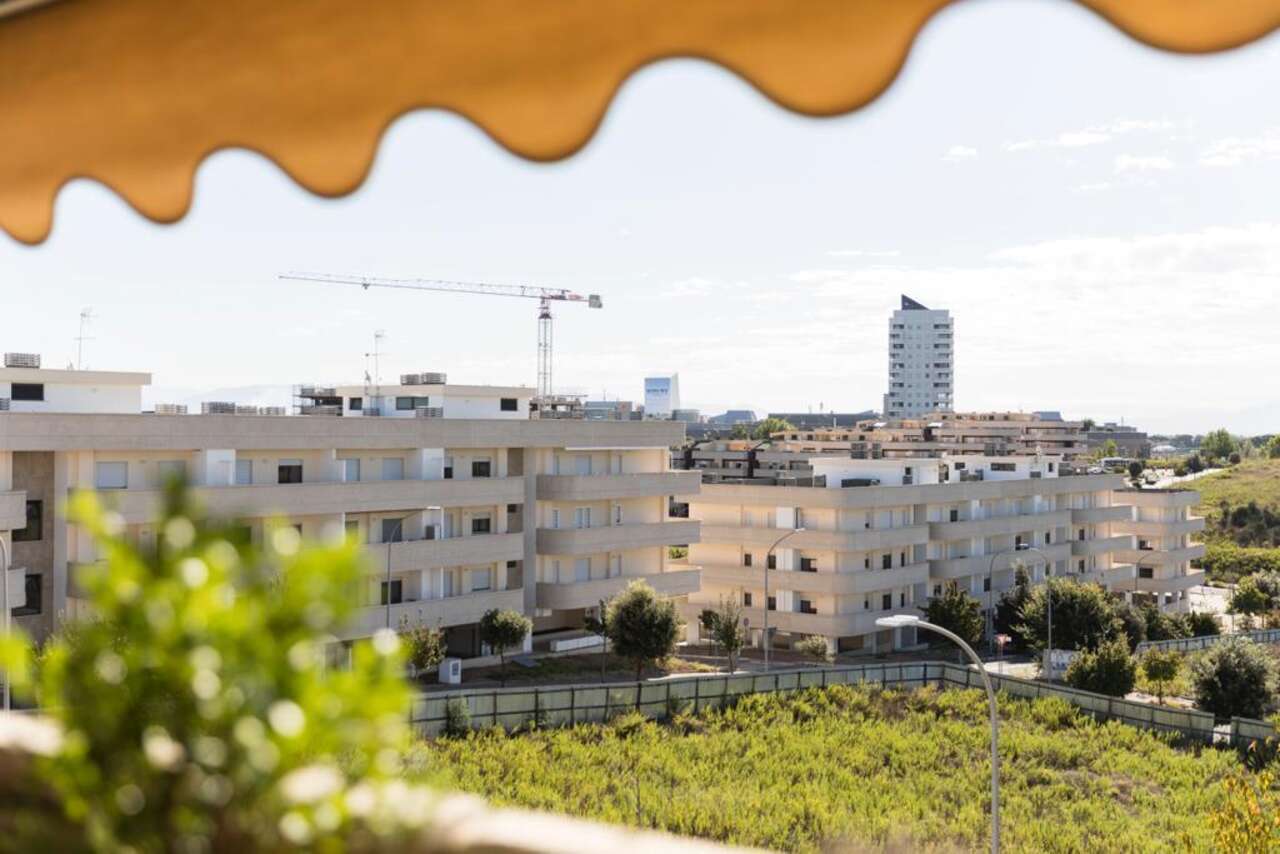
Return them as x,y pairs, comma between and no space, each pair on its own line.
897,621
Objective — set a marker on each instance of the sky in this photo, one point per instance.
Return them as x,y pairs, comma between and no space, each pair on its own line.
1100,218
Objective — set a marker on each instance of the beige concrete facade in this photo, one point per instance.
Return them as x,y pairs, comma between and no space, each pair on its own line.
1162,528
872,551
544,516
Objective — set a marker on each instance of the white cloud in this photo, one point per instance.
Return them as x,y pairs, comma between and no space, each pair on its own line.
1095,135
1234,150
1142,163
864,253
956,153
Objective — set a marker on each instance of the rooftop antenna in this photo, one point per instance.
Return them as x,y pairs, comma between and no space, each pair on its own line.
86,315
378,335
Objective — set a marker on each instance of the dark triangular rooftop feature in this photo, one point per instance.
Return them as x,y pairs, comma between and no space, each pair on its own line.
908,304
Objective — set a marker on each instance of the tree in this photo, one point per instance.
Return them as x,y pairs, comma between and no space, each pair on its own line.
728,631
1235,676
1008,617
598,624
1200,625
1082,615
1131,622
1109,669
1218,444
708,619
642,627
1135,472
1088,424
815,647
1195,465
502,630
1161,667
1250,597
1109,448
1272,448
1161,625
769,426
1234,458
425,645
739,431
958,612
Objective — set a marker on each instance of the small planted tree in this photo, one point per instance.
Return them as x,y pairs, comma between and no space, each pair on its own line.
1082,615
728,632
642,626
425,646
1008,616
958,612
598,624
1160,667
504,630
1109,669
1251,598
707,624
1234,677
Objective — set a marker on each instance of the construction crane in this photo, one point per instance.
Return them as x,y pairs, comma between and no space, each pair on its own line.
544,296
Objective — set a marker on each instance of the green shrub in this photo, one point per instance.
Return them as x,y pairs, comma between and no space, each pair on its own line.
1200,625
197,707
1083,615
425,646
958,612
1234,677
457,718
815,647
1108,670
1160,668
1227,563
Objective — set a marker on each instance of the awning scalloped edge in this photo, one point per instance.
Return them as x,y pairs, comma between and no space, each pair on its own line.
136,93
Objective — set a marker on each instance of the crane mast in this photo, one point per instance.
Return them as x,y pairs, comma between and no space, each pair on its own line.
544,296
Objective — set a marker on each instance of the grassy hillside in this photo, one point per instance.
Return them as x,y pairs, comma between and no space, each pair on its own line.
1256,480
860,766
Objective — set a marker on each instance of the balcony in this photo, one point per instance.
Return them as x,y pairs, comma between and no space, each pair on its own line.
1170,528
449,611
615,538
826,582
326,497
1171,584
454,551
1096,515
13,511
846,541
552,487
1116,578
1162,557
559,596
963,567
999,525
1102,545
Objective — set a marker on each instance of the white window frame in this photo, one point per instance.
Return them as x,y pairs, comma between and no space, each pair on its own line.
348,465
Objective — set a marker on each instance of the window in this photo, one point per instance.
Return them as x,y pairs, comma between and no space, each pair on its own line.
886,601
352,527
355,404
111,475
617,514
481,468
886,561
1017,541
1046,538
582,569
392,530
806,607
481,525
392,592
746,600
27,391
1080,535
1144,545
481,579
1080,566
746,558
34,531
349,469
555,517
1145,572
582,464
773,603
508,404
986,585
35,589
955,515
772,562
448,468
408,404
393,468
808,564
1003,467
289,471
244,472
167,470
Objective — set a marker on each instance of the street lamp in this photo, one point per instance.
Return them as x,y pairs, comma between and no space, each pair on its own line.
4,604
764,640
991,589
899,621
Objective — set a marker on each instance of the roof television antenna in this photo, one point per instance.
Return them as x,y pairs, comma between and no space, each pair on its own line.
378,336
86,315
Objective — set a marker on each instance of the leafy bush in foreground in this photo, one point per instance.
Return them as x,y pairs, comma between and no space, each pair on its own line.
197,710
1109,669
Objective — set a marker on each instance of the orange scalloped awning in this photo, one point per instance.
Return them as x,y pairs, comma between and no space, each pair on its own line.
135,93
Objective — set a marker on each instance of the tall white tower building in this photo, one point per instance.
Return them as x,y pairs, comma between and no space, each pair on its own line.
921,359
661,396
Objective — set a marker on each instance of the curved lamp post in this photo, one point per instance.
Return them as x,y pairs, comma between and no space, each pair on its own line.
899,621
991,591
4,605
764,640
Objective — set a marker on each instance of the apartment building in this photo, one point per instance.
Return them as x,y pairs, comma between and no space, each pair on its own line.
1162,528
463,514
874,538
921,366
957,433
424,395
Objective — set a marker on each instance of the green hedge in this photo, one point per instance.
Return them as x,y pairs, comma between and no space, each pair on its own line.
1227,564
